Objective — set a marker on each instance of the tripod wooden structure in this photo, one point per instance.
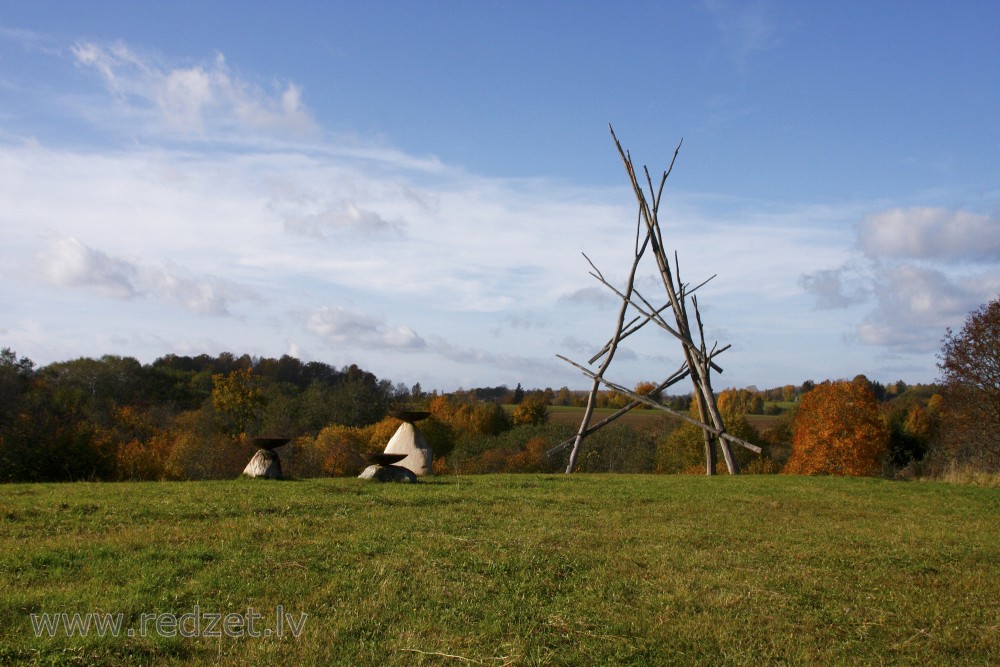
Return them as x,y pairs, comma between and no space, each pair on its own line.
698,359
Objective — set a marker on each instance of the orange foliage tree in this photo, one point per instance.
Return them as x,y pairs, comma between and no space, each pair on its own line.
646,389
741,402
143,447
838,431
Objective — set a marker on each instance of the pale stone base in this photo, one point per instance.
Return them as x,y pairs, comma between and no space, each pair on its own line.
393,473
265,463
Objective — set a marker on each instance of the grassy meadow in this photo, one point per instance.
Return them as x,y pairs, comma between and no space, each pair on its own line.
510,570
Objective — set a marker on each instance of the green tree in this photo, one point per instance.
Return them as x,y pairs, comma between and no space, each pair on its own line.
360,400
15,376
238,398
564,396
98,386
48,438
683,449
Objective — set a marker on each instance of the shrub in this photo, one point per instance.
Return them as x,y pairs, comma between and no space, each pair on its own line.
683,450
532,411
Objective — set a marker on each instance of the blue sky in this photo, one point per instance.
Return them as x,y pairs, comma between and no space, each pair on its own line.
409,186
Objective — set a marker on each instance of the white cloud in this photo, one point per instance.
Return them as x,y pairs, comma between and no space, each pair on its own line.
488,358
833,288
193,100
915,265
184,96
350,327
347,218
598,297
915,305
922,232
487,269
197,295
68,263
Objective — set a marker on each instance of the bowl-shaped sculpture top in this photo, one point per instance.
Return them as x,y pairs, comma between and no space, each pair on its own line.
269,443
410,415
383,459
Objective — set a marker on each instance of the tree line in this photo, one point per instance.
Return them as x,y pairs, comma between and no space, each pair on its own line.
102,418
191,417
184,417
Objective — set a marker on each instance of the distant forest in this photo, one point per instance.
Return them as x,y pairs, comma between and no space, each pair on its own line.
184,417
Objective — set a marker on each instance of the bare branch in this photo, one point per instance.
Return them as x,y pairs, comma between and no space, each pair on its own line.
659,406
597,271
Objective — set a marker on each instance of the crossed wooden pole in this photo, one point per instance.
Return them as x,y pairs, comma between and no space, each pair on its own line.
698,359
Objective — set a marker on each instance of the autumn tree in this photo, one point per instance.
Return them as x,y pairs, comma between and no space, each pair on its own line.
533,410
238,399
838,431
741,402
564,396
616,400
143,447
970,406
647,389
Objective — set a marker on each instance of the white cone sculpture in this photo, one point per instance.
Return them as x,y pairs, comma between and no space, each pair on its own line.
408,440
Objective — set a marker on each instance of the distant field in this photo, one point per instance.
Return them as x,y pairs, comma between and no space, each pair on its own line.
509,570
635,418
573,415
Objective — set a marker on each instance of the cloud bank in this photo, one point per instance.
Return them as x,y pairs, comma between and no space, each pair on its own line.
920,269
206,209
68,263
930,233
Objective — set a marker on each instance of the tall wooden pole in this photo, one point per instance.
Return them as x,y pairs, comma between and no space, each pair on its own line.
612,347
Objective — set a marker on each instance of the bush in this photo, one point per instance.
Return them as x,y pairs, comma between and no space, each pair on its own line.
532,411
683,450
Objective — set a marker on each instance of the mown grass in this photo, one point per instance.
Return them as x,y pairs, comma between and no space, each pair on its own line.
513,570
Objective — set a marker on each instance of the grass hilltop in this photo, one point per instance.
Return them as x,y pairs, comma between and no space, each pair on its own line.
510,570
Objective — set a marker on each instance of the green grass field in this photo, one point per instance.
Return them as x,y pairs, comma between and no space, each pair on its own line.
509,570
